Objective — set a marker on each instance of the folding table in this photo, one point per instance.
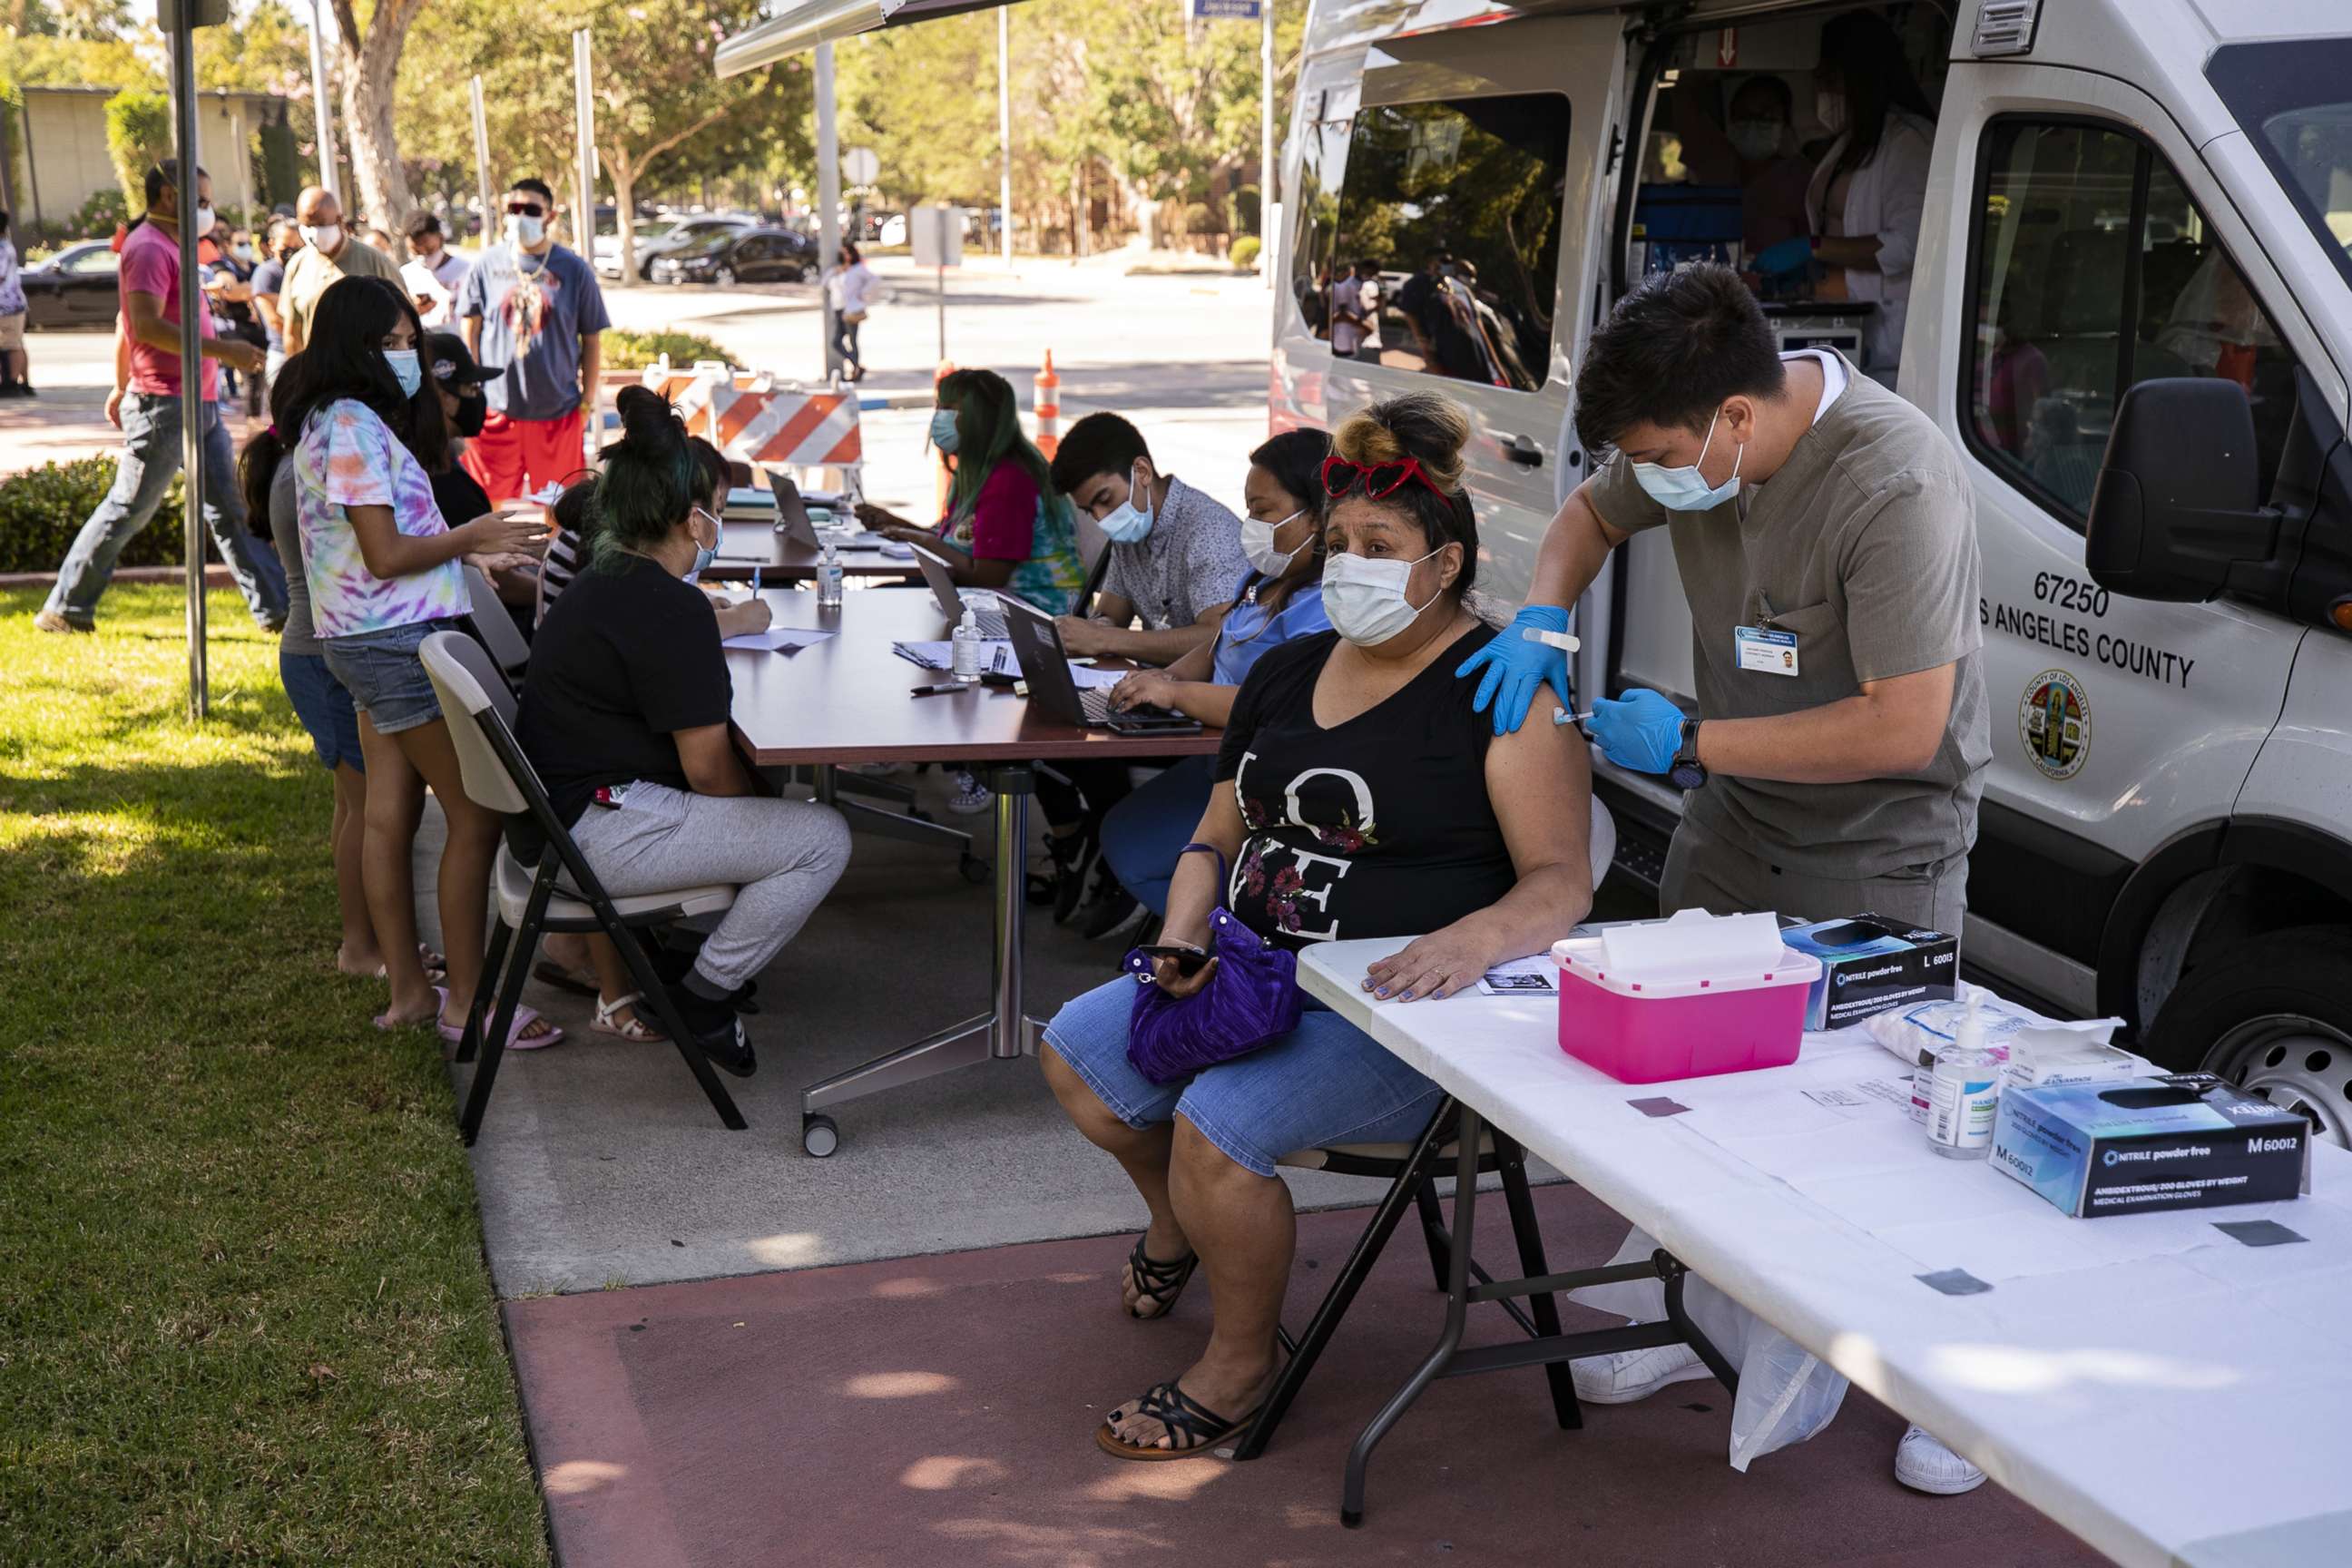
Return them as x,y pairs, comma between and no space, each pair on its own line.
2171,1391
845,701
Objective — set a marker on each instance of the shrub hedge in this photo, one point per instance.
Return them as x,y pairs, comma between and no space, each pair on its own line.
634,351
42,509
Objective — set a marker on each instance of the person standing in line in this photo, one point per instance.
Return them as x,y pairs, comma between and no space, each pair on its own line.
331,252
849,288
279,243
434,273
150,421
535,307
14,382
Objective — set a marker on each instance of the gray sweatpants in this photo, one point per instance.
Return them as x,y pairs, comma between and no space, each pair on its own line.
783,857
1706,870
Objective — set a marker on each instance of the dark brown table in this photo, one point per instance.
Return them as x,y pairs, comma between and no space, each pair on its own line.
780,559
845,701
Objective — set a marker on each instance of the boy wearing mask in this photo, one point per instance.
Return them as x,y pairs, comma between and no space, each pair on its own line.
1175,554
535,307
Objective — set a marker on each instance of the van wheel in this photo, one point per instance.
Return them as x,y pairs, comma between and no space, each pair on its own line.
2274,1016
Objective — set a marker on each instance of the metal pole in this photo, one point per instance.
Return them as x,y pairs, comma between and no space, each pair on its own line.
191,380
591,411
1004,128
828,198
320,105
1265,167
482,162
941,284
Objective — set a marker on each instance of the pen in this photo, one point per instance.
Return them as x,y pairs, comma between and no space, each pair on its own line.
939,690
1562,716
755,579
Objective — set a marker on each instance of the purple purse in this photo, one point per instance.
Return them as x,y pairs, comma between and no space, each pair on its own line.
1252,998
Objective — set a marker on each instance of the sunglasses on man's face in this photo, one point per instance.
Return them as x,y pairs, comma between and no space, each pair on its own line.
1373,481
526,209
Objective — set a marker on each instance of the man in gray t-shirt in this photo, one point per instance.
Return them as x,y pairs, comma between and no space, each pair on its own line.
1175,554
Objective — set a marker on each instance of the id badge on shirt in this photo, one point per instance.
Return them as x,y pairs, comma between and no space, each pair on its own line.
1765,651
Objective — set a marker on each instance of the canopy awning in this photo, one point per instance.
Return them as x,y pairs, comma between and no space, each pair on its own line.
801,25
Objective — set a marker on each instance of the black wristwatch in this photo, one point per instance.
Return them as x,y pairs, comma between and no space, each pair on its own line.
1684,771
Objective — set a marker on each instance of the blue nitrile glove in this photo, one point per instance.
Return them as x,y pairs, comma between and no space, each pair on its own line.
1515,666
1789,256
1640,731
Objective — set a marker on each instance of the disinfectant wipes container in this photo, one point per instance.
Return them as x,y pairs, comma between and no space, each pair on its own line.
1684,997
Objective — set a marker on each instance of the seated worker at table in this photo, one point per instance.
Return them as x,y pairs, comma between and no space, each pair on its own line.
1754,149
1359,795
624,714
1175,554
1279,600
1005,528
1826,541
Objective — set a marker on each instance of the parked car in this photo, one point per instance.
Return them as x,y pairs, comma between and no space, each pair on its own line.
75,287
748,255
689,233
607,259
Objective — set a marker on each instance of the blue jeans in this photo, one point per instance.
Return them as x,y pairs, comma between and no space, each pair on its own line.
151,455
1142,833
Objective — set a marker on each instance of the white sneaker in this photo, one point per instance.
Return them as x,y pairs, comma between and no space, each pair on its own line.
971,797
1629,1376
1924,1465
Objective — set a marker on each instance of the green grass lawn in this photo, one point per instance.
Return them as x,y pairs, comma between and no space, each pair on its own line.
243,1314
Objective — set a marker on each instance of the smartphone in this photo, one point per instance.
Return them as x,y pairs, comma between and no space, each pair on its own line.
1187,962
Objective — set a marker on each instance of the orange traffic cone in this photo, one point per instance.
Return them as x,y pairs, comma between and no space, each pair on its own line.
1047,403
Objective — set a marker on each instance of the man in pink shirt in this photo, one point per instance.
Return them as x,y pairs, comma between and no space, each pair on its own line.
151,423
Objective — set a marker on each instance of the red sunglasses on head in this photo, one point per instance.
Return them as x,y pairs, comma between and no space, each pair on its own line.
1377,480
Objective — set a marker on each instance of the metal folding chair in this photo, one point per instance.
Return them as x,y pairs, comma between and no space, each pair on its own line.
561,894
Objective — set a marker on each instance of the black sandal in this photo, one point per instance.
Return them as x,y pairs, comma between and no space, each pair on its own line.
1162,1281
1192,1426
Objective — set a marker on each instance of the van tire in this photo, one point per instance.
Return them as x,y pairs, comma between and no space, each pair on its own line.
2273,1013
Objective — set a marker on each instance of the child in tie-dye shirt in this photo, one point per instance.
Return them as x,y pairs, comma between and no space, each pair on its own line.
354,415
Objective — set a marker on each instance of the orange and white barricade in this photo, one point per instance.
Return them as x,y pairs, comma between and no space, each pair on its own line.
751,418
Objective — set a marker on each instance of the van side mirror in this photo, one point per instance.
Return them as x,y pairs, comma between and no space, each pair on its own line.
2176,514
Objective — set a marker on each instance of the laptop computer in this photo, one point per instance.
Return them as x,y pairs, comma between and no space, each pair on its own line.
1045,665
941,578
791,513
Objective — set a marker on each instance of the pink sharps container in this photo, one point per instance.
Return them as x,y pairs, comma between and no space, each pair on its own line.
1650,1030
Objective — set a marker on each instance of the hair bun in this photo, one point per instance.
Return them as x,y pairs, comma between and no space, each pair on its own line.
1432,428
646,413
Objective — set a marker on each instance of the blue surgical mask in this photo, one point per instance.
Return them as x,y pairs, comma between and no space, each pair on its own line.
1129,523
1685,489
704,554
406,370
943,429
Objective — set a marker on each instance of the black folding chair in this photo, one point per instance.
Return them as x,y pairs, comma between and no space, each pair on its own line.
561,894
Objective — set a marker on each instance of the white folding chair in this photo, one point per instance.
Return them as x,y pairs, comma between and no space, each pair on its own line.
561,894
493,627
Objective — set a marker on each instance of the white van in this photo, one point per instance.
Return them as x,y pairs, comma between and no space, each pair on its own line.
2120,191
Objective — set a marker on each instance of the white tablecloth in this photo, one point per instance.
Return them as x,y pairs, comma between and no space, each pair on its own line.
2165,1391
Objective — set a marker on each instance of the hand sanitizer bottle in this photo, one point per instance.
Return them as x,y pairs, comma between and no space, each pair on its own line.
967,647
1964,1092
828,580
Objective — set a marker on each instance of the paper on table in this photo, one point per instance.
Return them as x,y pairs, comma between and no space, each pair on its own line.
1694,945
779,640
1088,677
1536,976
995,657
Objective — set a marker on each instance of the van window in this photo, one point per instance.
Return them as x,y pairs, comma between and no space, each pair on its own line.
1456,204
1314,206
2293,100
2095,271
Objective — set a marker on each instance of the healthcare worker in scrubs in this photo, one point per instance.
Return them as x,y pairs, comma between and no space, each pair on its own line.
1826,541
1863,207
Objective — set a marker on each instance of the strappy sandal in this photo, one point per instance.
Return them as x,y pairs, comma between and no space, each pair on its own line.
1163,1281
636,1030
1192,1426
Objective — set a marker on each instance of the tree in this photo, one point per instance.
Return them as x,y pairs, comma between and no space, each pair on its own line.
138,137
371,58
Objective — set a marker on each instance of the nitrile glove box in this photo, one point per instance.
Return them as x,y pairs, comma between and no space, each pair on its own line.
2181,1143
1870,965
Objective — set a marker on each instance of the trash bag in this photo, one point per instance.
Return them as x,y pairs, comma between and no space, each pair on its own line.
1786,1393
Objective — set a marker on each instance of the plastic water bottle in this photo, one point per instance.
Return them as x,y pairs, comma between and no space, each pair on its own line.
1964,1092
967,642
828,580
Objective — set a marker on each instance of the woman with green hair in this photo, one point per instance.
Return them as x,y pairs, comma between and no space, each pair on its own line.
1005,528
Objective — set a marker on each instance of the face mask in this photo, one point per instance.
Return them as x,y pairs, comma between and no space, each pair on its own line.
406,370
1829,107
1755,139
1258,544
242,253
1365,598
471,412
205,219
1685,489
526,230
943,429
704,554
1127,523
322,235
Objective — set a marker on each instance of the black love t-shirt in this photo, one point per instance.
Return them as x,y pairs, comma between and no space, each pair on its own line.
1377,827
623,660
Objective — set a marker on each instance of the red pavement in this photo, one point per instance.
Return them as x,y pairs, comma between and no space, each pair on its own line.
940,1409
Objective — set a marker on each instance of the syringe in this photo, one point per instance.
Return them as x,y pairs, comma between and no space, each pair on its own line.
1562,716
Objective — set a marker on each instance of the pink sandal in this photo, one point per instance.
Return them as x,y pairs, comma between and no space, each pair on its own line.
519,1038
